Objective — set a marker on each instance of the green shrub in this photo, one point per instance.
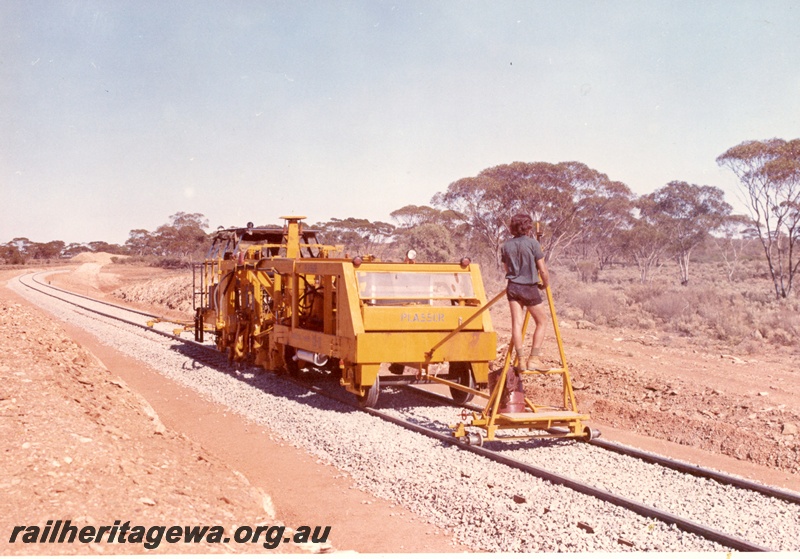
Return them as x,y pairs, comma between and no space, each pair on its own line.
639,293
171,263
781,326
599,304
667,307
588,270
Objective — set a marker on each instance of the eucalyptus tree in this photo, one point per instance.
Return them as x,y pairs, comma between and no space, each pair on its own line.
49,250
436,235
103,246
184,236
411,216
552,193
687,213
11,254
646,242
74,249
140,242
769,172
431,241
358,235
732,239
606,211
478,203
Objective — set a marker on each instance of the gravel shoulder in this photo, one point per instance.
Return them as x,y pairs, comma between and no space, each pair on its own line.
80,444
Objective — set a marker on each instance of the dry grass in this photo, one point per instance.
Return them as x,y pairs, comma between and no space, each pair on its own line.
173,292
738,313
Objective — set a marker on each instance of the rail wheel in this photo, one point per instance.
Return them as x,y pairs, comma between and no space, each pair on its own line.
369,399
461,372
590,434
471,439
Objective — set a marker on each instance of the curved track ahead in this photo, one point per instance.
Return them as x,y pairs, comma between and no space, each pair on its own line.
211,357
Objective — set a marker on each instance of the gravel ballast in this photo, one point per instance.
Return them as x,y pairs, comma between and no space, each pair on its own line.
487,506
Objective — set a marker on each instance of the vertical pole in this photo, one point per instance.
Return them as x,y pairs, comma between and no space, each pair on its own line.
494,400
569,396
293,237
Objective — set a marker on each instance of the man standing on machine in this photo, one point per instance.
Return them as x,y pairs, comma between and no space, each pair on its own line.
526,272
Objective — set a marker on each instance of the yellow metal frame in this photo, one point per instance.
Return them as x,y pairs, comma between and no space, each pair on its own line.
541,421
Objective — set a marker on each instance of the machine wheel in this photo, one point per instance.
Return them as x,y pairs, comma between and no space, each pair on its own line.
472,439
590,434
369,399
461,372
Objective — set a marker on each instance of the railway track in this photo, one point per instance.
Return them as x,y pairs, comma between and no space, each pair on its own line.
431,421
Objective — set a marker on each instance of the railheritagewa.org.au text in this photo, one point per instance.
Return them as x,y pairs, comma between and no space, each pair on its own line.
150,537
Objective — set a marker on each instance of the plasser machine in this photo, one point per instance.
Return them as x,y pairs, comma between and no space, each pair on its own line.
275,297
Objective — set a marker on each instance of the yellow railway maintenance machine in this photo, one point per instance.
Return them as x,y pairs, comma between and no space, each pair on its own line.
276,298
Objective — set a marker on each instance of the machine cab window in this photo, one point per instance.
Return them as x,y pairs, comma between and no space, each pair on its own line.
409,288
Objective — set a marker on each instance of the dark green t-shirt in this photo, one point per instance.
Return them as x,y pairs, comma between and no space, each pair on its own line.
520,255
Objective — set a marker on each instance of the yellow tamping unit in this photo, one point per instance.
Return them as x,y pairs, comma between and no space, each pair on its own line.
276,297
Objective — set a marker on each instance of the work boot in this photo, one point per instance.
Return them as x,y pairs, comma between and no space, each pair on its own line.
535,364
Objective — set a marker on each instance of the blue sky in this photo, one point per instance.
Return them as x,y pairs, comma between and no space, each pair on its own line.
116,114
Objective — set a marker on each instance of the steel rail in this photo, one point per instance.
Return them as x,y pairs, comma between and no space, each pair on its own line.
558,479
652,458
698,471
101,313
134,311
214,357
642,509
